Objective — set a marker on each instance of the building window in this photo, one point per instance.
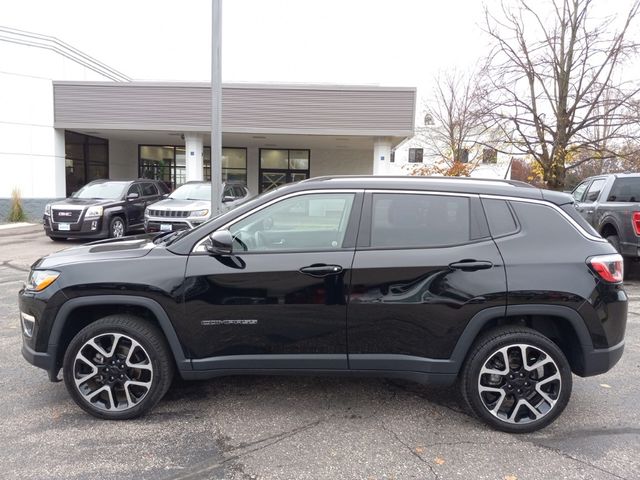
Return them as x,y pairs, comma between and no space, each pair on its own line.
86,159
462,155
392,157
279,166
234,164
166,163
415,155
489,155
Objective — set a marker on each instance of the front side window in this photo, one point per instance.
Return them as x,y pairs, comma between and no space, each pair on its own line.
304,222
415,220
149,190
578,192
594,190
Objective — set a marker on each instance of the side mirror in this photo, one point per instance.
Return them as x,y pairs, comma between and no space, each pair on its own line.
228,199
221,243
132,196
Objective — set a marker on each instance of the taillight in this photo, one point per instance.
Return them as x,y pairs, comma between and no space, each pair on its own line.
635,221
608,267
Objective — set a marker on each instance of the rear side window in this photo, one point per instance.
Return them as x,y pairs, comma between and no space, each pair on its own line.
594,190
625,190
500,218
149,190
413,220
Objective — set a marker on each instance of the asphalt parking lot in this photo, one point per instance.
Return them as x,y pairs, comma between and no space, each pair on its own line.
301,427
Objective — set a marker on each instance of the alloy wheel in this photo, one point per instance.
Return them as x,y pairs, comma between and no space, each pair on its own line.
112,372
117,228
519,383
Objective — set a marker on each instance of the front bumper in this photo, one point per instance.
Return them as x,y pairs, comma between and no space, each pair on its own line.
160,224
44,360
84,228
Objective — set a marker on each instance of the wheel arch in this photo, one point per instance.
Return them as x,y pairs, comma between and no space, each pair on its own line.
561,324
97,306
609,227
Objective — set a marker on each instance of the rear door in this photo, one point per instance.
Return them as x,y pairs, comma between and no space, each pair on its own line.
135,206
424,266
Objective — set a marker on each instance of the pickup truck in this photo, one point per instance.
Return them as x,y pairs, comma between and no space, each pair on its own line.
611,204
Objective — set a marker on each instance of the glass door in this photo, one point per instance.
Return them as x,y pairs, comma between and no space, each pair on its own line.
280,166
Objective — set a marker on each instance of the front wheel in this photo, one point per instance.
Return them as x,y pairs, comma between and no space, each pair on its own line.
516,380
116,228
118,367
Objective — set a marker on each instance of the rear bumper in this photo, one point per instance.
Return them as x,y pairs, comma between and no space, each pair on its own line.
600,360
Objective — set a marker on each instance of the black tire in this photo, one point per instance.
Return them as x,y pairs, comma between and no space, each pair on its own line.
151,355
58,239
507,390
117,227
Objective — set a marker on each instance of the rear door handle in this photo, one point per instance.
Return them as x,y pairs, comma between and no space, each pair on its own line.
468,265
321,270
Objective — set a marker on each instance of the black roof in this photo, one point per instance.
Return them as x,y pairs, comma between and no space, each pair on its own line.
509,188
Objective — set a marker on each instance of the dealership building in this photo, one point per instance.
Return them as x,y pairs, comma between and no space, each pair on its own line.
68,119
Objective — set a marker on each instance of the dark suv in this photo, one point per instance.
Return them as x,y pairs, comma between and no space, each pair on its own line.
499,285
102,209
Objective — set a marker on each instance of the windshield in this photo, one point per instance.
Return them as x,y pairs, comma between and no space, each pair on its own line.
193,191
110,190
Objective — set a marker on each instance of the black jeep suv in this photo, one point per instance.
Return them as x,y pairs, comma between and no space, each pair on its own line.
102,209
499,285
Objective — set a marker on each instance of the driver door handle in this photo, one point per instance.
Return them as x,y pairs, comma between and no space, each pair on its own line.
321,270
468,265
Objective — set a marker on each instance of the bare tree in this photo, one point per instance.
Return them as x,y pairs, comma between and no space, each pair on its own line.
555,82
455,132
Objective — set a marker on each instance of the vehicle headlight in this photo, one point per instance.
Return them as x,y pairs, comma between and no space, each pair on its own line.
40,279
200,213
146,212
94,212
47,209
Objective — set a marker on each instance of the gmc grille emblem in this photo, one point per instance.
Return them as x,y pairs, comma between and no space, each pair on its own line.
64,214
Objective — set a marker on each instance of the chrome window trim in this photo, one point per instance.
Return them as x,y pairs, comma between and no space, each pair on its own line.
199,248
546,203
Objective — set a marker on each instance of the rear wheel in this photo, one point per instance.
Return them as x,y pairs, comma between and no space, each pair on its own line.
118,367
516,380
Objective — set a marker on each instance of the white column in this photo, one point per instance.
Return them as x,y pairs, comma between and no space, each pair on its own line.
381,156
60,172
193,151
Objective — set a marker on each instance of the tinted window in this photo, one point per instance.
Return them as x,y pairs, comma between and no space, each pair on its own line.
133,189
149,189
304,222
625,190
594,190
578,192
239,191
228,192
500,218
413,220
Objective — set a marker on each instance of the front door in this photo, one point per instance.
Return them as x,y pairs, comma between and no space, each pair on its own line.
424,266
280,300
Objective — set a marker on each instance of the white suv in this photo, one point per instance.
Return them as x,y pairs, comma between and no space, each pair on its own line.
190,205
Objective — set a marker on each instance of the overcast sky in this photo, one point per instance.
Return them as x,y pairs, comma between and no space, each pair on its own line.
391,42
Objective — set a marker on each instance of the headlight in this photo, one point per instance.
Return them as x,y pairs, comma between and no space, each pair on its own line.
200,213
146,212
41,279
94,212
47,209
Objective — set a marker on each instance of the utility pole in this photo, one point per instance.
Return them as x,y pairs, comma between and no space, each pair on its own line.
216,107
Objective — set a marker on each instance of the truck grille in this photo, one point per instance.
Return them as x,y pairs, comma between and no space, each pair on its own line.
66,216
169,213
